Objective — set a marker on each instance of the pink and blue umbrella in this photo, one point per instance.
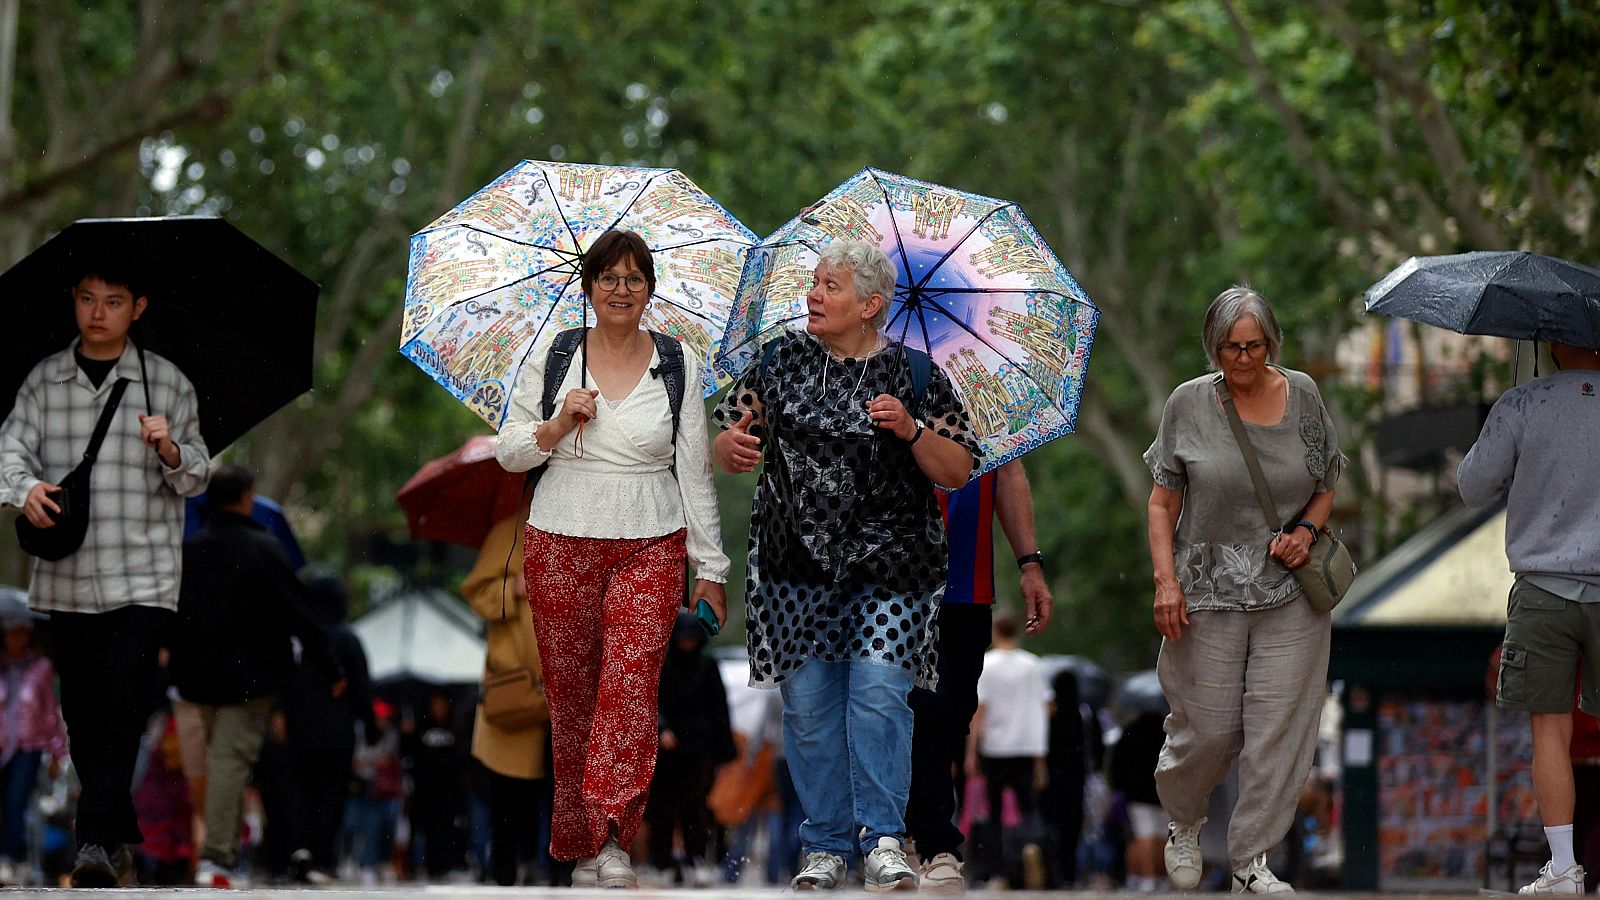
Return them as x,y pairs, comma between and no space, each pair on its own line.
977,289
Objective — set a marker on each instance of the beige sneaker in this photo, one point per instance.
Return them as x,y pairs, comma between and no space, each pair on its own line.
943,875
583,874
1550,882
613,868
1182,854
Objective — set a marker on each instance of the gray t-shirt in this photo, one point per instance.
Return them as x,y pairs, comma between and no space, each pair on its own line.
1538,451
1220,548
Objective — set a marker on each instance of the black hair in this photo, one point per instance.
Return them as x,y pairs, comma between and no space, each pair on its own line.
229,484
113,269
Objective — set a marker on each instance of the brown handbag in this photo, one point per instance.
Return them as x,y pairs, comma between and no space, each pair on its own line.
514,700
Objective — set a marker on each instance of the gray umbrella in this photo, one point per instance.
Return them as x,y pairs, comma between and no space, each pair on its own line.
14,607
1514,294
1141,693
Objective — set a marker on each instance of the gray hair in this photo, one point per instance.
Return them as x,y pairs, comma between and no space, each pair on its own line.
869,268
1225,312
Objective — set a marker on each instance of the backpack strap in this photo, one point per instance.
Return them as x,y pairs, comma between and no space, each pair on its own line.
671,371
556,365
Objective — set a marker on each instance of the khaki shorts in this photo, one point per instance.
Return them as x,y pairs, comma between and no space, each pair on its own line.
191,738
1547,639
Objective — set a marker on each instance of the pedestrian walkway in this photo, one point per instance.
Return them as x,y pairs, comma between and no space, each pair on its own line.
447,892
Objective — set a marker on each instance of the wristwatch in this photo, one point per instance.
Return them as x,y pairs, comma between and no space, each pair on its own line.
1309,527
1034,557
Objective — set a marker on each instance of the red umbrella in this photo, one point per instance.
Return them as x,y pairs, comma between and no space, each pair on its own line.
459,497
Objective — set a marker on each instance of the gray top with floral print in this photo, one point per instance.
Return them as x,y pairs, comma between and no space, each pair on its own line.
1220,548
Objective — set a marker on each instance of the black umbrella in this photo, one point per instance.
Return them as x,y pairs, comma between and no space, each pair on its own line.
1141,693
1514,294
1094,685
236,319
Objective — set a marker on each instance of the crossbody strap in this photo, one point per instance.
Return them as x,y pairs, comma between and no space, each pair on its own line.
1263,493
104,424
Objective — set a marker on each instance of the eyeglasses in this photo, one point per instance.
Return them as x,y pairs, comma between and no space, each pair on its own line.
1256,349
634,283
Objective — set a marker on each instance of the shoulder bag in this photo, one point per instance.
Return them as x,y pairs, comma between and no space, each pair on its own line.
1329,569
63,539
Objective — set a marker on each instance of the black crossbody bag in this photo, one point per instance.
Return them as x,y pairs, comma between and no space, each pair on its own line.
63,539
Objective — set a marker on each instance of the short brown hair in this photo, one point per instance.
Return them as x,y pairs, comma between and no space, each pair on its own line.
1005,627
611,248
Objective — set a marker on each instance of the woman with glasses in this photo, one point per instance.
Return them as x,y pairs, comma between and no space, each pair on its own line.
847,554
626,497
1244,657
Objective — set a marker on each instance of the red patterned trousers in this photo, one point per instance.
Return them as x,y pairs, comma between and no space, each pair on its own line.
603,610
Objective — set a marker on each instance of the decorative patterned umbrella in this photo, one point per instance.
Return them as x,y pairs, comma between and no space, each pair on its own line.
977,288
489,277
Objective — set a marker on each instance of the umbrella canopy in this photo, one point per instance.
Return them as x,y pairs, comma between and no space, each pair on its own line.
239,321
457,498
977,289
14,609
1514,294
424,634
1141,693
490,276
1094,684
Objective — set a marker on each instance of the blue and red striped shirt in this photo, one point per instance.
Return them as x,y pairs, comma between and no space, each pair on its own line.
969,530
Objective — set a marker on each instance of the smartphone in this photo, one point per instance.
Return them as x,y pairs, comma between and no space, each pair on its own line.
707,617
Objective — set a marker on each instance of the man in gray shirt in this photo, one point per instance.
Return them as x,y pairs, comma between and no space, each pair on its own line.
1540,450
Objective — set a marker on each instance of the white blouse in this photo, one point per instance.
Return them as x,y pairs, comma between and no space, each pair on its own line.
622,486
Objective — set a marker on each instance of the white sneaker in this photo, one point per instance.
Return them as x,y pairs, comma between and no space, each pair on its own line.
943,875
1256,878
886,868
613,868
1183,854
1548,882
822,872
583,874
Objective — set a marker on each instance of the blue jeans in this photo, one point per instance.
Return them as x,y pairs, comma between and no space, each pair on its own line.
18,778
847,736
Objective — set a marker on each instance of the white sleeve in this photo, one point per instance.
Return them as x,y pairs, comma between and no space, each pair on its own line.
518,448
699,493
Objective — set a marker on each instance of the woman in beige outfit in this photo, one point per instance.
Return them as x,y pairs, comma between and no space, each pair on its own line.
515,758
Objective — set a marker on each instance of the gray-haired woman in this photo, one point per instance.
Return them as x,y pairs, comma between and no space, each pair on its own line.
1244,658
847,554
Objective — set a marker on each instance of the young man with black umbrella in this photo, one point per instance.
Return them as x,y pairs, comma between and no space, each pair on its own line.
111,599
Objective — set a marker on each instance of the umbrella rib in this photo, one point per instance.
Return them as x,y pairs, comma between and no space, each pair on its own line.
629,208
694,243
893,224
562,214
696,313
545,321
980,338
957,245
501,237
500,287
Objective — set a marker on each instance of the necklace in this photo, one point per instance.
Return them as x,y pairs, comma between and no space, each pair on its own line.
827,365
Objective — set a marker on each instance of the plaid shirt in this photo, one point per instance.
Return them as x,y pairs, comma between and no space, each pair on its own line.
132,554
